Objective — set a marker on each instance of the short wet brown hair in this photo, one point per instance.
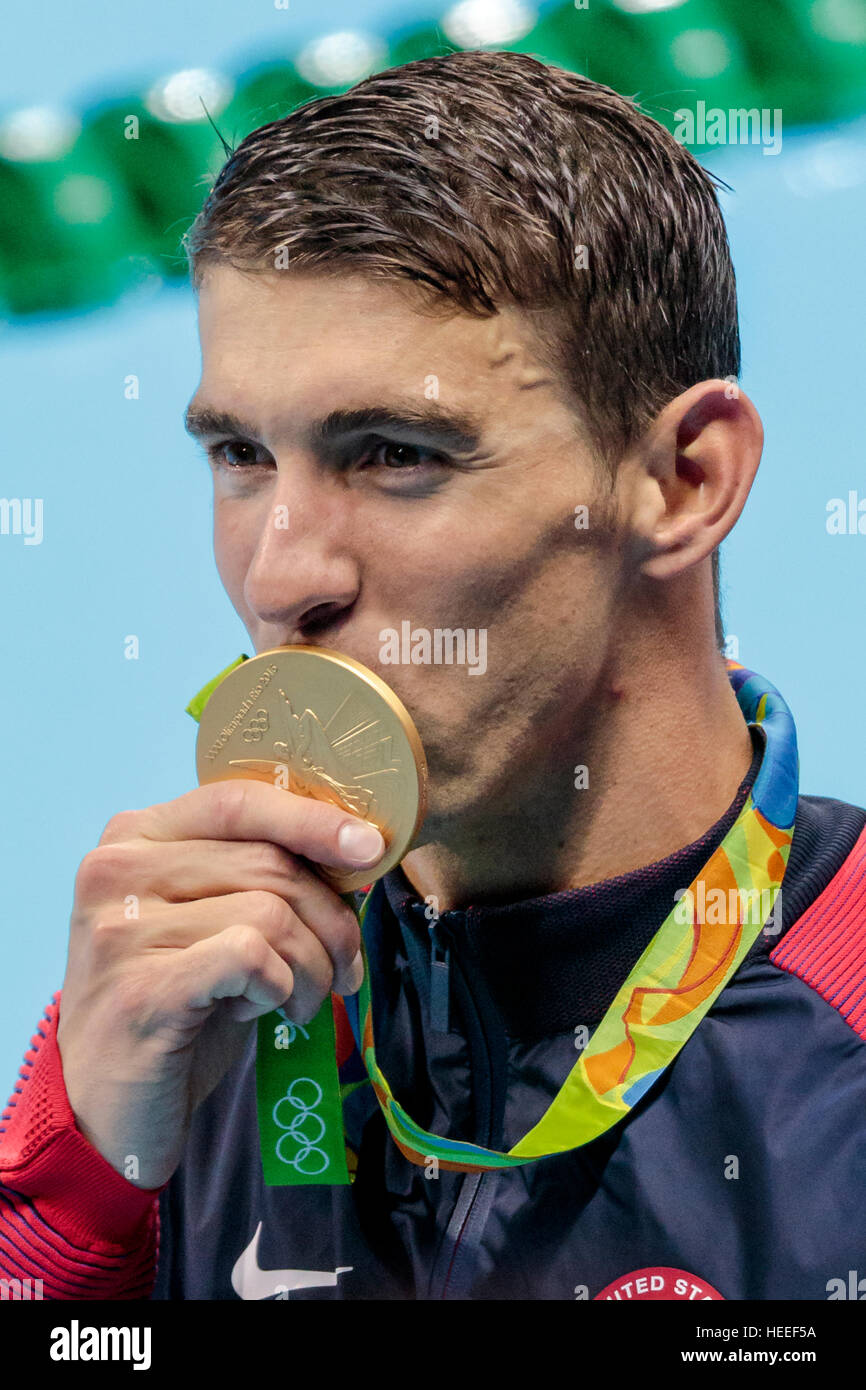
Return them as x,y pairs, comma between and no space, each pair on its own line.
493,179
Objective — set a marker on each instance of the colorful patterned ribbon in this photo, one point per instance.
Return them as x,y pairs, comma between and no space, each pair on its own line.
691,958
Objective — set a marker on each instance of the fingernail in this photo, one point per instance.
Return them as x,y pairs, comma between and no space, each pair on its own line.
356,974
360,842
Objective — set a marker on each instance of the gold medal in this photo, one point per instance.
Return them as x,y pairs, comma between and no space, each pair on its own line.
320,724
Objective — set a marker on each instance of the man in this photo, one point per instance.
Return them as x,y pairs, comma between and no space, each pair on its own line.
469,360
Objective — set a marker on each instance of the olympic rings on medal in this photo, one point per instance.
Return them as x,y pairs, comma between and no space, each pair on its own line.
305,1128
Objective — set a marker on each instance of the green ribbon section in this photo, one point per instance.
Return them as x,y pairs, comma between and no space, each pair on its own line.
299,1103
198,702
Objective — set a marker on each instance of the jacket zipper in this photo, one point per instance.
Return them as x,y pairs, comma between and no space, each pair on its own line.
440,983
440,992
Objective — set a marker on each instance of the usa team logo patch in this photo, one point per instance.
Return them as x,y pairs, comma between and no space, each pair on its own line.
659,1281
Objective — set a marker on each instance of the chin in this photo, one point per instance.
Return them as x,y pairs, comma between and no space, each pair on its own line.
450,801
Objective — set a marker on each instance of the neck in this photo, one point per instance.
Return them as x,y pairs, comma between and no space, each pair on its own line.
665,752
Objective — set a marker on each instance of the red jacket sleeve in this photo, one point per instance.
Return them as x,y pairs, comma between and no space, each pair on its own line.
67,1217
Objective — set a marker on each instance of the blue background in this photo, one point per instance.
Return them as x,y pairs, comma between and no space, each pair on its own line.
127,511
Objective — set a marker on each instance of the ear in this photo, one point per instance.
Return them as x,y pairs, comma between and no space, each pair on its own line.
695,466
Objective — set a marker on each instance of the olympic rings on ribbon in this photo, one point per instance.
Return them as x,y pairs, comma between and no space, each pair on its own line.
296,1132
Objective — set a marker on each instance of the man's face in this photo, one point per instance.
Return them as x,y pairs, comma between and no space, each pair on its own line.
394,466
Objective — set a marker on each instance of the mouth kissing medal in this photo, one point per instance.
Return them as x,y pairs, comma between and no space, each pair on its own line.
317,723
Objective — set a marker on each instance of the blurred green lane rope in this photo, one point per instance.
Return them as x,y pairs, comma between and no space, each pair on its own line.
93,205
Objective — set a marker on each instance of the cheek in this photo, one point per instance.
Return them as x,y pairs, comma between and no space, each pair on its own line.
233,550
482,581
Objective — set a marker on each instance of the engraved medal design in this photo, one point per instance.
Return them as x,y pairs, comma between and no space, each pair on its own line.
319,724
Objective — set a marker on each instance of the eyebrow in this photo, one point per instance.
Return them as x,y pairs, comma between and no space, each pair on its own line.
455,430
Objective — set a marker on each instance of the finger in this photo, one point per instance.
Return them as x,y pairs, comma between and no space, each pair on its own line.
181,926
193,870
246,809
235,964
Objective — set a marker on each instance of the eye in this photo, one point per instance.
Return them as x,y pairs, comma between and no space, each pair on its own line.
245,454
390,454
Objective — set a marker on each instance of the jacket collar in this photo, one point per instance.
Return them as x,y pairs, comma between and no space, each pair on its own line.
582,941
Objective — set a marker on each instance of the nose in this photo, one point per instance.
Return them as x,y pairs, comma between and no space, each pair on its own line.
302,571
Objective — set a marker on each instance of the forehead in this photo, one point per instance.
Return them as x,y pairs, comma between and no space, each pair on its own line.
313,334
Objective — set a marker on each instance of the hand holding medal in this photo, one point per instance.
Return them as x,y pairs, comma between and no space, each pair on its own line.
321,725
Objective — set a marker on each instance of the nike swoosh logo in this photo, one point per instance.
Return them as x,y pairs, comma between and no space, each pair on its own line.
250,1281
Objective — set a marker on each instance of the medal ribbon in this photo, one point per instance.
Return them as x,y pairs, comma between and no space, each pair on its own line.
666,994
